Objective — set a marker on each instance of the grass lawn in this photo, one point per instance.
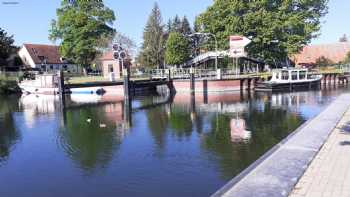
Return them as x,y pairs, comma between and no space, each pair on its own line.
86,79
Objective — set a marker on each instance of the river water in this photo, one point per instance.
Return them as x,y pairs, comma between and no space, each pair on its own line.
164,146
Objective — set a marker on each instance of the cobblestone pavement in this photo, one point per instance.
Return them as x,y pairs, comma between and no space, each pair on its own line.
329,173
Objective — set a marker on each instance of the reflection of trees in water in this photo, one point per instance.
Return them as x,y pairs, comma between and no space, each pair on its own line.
158,122
268,128
175,118
180,122
9,136
89,145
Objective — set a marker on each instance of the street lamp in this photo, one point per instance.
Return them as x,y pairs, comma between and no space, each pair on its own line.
216,44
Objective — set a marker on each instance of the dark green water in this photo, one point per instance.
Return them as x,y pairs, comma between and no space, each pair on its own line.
167,146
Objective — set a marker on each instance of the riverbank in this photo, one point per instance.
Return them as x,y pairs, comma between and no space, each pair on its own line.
9,87
277,171
329,173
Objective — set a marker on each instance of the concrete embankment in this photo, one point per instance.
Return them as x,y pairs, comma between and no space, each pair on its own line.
277,171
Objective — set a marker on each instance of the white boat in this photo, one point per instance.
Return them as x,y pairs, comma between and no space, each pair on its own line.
48,84
42,84
289,79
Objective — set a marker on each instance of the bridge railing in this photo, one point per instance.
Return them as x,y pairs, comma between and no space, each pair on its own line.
185,73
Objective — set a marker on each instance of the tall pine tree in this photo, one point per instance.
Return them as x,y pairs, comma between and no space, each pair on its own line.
185,26
152,50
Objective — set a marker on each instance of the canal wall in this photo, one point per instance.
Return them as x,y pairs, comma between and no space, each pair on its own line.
277,171
224,85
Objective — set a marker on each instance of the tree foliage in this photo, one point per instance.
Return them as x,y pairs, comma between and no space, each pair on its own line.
278,28
6,46
323,62
347,58
179,25
152,50
80,26
177,49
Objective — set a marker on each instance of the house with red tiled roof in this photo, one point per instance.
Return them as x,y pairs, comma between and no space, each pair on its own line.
336,52
45,58
111,66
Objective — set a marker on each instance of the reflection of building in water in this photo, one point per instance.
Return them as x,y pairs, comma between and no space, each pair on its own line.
83,98
238,130
32,105
216,103
293,99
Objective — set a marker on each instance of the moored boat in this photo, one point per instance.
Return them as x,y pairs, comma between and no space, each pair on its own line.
48,84
288,80
42,84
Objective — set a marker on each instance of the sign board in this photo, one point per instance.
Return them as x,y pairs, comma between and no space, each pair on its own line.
237,45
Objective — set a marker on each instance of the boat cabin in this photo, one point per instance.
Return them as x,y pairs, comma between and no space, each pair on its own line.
284,75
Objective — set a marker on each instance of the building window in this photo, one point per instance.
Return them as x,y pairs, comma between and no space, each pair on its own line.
110,68
65,67
294,75
51,67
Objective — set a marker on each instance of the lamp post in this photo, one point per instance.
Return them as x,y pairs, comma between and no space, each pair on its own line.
216,44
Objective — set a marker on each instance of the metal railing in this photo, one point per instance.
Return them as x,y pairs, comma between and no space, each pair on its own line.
185,73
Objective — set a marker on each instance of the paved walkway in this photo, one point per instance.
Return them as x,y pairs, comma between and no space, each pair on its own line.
277,172
329,173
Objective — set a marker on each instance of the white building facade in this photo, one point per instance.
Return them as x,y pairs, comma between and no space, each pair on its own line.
45,58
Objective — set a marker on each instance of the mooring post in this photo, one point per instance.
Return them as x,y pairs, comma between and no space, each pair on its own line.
61,88
249,83
205,91
192,80
335,78
241,84
169,75
127,113
126,75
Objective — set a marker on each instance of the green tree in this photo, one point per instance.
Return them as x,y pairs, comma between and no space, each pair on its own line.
278,28
80,26
152,50
177,49
185,26
347,58
6,46
177,24
323,62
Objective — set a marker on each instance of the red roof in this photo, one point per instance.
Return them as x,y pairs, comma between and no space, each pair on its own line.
48,52
107,56
335,52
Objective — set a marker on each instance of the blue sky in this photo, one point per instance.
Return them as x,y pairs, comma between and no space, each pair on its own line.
29,20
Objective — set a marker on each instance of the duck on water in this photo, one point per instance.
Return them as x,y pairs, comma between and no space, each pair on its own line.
289,79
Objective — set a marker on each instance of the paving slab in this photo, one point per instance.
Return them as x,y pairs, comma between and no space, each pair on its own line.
276,173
